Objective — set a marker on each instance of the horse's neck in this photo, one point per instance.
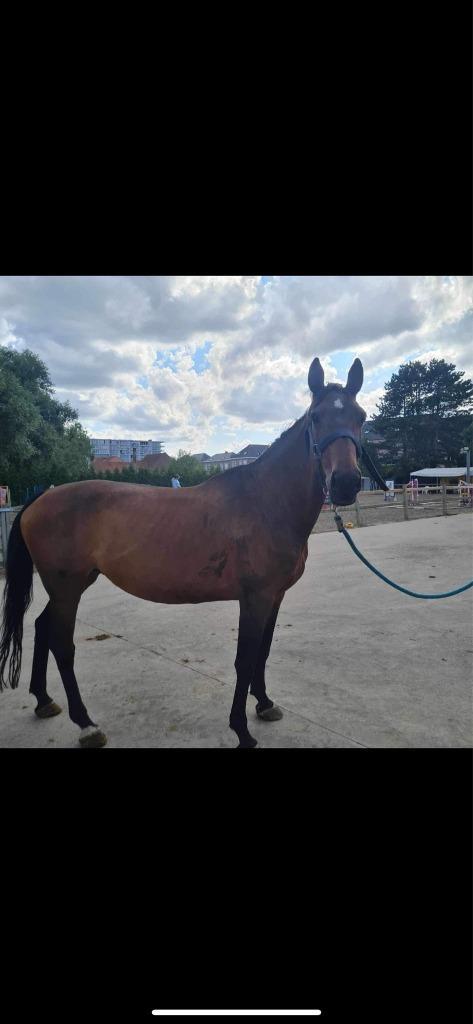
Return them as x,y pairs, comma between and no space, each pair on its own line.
289,480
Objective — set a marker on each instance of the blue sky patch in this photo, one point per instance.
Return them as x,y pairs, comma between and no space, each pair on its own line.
342,362
167,358
201,363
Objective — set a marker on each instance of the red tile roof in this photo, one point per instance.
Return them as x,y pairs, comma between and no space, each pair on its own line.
104,464
160,461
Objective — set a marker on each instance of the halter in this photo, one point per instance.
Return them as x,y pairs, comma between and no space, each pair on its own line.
318,447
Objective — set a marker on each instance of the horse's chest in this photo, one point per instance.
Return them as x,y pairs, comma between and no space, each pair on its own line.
298,566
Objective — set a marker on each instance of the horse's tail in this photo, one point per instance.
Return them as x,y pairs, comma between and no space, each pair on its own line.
17,597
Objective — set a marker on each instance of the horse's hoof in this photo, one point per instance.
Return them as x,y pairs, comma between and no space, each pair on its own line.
92,737
271,714
48,710
248,744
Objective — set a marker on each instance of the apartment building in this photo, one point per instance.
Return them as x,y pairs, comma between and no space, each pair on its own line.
126,450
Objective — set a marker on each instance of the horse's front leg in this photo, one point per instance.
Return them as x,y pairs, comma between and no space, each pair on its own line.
255,611
266,709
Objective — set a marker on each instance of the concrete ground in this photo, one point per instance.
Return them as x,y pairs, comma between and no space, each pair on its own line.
354,663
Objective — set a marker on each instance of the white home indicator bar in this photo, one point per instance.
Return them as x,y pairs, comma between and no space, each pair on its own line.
236,1013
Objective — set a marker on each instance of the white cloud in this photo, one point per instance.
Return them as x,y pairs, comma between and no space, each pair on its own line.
103,338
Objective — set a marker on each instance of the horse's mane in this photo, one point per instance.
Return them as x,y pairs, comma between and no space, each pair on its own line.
297,423
278,443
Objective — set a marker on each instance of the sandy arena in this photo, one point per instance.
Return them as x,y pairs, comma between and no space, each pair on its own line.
354,663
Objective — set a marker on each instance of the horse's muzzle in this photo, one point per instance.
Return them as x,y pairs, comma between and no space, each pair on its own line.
344,486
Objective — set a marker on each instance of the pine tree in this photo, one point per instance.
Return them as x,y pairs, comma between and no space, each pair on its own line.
423,416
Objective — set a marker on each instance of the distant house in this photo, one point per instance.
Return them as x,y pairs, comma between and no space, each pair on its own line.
252,451
109,464
158,462
201,457
228,460
152,462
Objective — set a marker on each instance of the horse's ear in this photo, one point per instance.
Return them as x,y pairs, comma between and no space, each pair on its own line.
355,378
316,377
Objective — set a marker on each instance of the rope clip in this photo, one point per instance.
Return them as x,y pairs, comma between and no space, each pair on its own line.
339,522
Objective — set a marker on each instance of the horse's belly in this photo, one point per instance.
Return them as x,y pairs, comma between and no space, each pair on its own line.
174,584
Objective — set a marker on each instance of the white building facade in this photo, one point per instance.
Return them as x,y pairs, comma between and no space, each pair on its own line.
228,460
128,451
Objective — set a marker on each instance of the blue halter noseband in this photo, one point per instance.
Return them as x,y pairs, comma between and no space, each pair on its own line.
319,447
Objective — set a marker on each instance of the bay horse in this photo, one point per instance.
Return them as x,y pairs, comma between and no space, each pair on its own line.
240,536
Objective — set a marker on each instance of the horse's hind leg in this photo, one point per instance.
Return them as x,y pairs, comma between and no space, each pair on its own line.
254,614
266,709
46,706
61,622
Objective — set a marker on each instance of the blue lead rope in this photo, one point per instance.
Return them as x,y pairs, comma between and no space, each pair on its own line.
411,593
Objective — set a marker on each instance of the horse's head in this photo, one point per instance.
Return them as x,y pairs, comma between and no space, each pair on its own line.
335,422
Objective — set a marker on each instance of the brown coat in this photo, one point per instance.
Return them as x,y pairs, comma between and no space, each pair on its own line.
244,530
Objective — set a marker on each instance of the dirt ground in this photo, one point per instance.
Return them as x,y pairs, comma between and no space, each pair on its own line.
353,663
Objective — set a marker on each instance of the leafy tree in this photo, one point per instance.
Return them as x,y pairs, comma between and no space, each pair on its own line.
184,466
188,470
41,443
423,416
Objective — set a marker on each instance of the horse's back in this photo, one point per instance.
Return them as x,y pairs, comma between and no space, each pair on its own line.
68,526
185,545
163,544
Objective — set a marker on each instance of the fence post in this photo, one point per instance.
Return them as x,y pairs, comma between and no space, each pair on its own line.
3,536
444,499
358,513
404,498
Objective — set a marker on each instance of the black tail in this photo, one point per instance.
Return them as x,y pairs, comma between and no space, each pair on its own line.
17,597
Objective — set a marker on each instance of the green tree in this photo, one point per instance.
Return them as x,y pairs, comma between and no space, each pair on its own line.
467,436
40,442
423,415
184,466
189,471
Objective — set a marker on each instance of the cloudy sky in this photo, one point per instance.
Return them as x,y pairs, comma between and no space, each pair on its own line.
214,363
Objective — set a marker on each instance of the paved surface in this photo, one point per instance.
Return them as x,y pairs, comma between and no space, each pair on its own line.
353,663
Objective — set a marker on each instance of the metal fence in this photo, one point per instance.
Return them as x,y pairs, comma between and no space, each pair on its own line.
403,503
7,516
